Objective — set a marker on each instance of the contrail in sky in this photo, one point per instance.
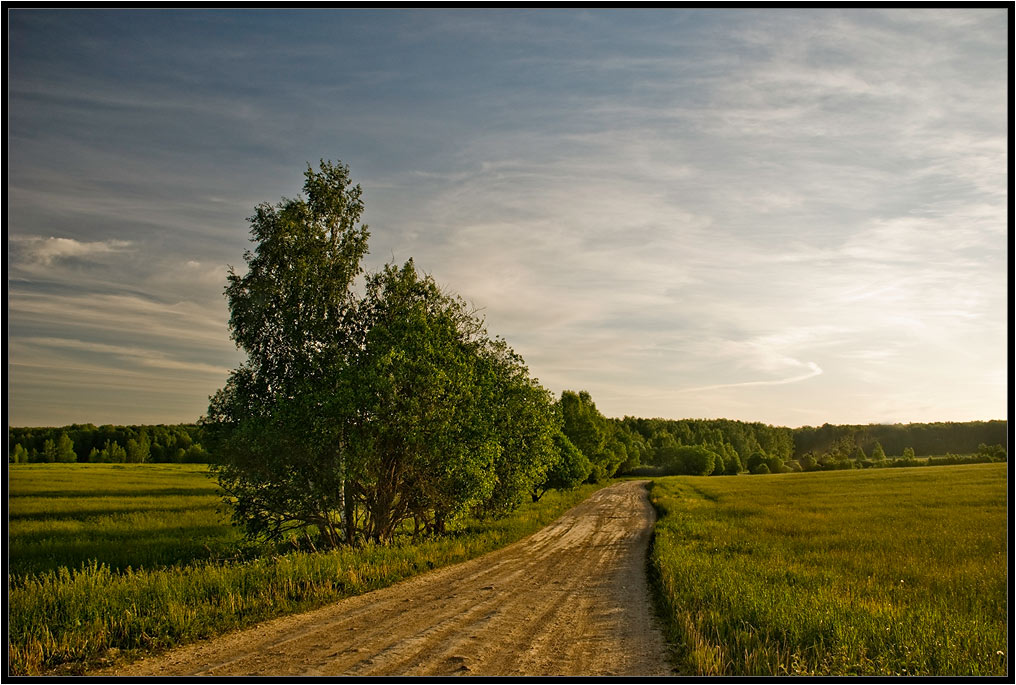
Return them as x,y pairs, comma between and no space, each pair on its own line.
816,370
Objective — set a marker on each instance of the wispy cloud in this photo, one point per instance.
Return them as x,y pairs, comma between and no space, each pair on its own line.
814,370
47,250
140,356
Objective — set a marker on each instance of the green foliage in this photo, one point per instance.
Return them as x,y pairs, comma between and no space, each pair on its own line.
992,452
278,423
905,462
761,577
446,418
592,433
19,455
570,469
691,460
632,444
754,460
925,438
908,452
112,452
954,459
64,452
49,451
355,414
70,617
760,469
139,451
86,442
725,437
410,448
877,453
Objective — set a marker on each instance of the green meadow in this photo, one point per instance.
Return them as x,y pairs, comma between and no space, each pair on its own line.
111,561
875,572
121,515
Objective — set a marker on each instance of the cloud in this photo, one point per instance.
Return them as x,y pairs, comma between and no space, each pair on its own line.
125,317
139,356
813,370
45,251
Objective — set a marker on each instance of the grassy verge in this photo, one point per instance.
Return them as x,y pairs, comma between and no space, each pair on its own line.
67,621
888,572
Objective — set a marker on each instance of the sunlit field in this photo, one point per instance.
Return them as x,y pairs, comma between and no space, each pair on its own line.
121,515
880,572
110,561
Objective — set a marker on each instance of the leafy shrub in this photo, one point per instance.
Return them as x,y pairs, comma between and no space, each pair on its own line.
688,460
719,466
732,465
993,452
754,459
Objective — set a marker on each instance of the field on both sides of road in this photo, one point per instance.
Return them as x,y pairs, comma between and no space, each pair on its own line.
881,572
110,561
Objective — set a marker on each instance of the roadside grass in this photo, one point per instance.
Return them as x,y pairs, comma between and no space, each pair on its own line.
100,610
882,572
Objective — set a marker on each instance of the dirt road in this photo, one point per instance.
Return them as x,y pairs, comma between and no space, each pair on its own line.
569,600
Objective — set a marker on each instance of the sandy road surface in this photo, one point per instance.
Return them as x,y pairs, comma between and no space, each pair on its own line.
569,600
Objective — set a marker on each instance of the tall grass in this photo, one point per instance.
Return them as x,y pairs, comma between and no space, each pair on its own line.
843,573
71,618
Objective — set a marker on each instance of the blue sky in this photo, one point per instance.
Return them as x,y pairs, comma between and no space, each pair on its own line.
789,216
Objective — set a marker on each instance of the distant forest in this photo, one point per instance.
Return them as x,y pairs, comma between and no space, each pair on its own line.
180,443
619,445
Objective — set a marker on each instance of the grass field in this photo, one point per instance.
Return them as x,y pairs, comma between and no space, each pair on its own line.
110,561
887,572
122,515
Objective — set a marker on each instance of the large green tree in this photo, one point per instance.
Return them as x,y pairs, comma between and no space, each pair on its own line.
355,414
446,418
414,450
524,416
280,450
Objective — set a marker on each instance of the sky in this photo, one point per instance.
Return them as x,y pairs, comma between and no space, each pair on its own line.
777,215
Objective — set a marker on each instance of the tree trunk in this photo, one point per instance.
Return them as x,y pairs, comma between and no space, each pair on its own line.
347,511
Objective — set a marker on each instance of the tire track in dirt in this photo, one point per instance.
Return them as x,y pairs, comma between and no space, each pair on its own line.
571,599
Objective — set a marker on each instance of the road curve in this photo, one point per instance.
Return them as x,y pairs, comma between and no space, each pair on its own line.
571,599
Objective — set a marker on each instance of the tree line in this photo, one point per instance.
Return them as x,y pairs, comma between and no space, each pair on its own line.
923,438
726,447
617,446
87,443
